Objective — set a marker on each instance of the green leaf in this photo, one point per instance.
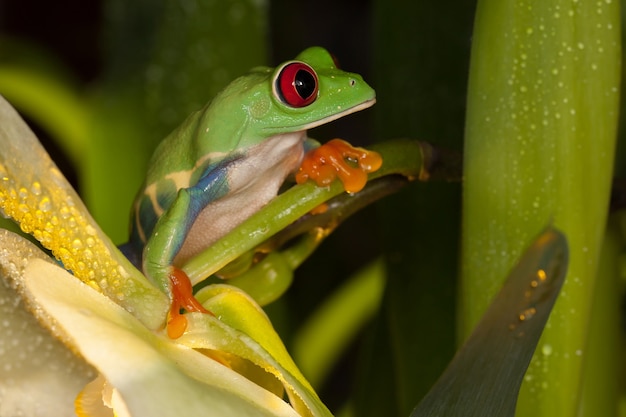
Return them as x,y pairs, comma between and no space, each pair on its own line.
484,377
540,137
326,334
601,384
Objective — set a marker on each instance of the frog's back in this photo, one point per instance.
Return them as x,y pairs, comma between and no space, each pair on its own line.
173,158
175,152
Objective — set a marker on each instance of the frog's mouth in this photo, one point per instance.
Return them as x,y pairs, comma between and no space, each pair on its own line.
349,110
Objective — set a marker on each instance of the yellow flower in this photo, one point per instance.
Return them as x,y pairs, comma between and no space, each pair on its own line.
109,314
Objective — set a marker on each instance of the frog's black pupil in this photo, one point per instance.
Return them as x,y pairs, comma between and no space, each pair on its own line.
304,83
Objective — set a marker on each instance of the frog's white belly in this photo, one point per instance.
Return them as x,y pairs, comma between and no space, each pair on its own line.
253,182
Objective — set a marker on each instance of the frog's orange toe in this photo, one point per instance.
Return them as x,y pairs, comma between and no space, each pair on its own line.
182,297
177,323
337,159
370,161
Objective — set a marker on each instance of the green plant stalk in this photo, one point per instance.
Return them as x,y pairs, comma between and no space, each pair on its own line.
540,137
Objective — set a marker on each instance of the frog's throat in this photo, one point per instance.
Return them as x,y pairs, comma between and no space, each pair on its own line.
349,110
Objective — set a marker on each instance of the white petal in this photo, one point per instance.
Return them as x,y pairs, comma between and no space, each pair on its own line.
148,370
39,376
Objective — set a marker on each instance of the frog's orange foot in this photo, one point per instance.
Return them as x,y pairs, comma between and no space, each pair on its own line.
182,298
337,158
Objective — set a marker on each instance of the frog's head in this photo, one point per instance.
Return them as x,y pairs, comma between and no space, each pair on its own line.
295,96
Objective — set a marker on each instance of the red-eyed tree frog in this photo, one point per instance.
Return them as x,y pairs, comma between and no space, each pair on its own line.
229,159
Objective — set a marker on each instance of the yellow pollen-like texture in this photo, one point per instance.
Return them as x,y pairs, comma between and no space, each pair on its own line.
50,214
35,194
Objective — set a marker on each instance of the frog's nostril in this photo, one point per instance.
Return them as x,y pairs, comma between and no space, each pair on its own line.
352,82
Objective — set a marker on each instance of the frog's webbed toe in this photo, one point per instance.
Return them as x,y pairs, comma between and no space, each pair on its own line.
338,159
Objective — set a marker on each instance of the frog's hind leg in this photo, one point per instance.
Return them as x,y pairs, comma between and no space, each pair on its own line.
167,239
182,297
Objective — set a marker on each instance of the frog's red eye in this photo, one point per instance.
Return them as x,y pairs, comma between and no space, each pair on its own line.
297,85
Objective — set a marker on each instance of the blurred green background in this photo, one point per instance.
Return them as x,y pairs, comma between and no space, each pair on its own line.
102,82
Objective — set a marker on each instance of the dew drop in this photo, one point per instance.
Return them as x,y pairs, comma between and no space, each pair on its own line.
541,274
527,314
49,227
45,204
88,254
77,244
71,222
36,188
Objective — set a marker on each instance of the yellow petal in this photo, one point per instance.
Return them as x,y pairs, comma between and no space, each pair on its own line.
34,193
100,399
241,328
